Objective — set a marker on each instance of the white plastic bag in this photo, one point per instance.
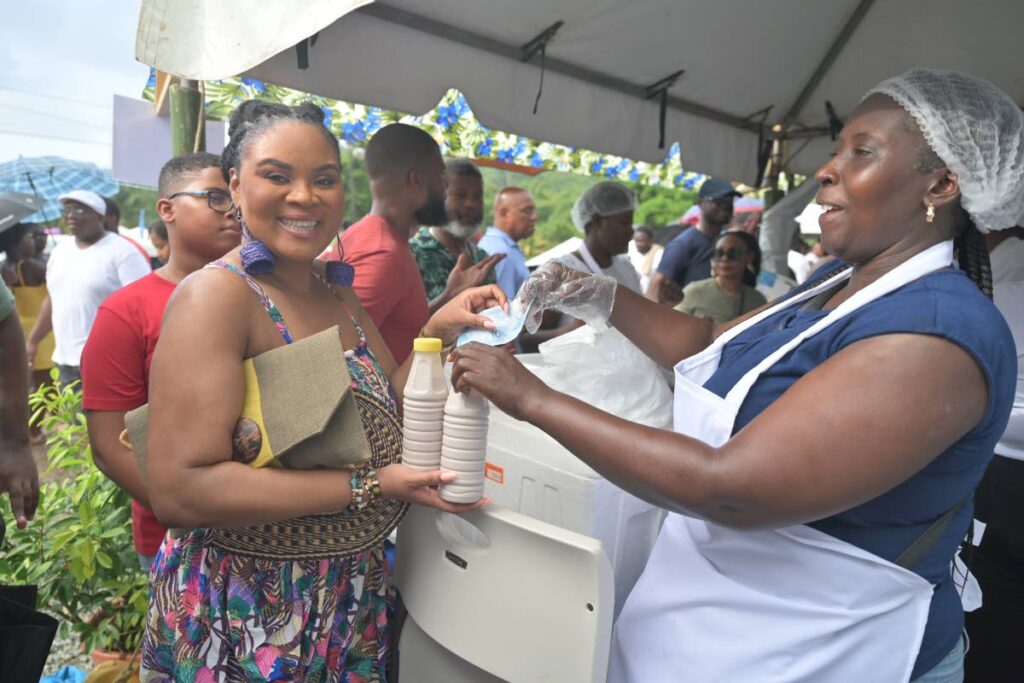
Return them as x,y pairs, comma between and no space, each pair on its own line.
607,371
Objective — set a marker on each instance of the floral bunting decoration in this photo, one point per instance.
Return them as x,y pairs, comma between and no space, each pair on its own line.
456,130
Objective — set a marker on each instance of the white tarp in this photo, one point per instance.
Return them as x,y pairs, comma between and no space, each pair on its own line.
779,224
226,37
739,57
142,141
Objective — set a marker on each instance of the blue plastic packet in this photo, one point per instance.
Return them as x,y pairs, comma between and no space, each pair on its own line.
508,327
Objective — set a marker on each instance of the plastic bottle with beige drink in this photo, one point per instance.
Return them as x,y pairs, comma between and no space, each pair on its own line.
464,446
423,403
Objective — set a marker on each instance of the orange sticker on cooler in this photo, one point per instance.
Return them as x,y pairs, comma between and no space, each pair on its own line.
494,473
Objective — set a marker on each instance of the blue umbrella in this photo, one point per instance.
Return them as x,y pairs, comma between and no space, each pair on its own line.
15,205
50,177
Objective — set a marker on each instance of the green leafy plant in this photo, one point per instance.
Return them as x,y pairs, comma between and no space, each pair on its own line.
79,549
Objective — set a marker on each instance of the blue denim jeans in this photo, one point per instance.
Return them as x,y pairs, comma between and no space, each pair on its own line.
949,670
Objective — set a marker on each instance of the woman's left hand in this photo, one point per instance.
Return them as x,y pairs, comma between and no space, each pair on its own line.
401,482
462,312
498,375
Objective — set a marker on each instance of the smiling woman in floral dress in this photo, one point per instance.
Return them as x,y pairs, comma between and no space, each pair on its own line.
271,574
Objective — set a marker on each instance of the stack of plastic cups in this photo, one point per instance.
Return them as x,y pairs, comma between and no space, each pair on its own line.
423,406
464,447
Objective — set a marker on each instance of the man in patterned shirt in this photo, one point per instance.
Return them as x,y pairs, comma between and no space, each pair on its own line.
448,261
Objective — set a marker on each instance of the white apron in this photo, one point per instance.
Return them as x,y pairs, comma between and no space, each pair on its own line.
716,604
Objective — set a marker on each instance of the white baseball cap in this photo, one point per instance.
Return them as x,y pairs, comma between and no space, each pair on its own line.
88,198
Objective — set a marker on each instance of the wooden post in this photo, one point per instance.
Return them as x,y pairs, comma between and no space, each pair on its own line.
188,124
774,193
161,105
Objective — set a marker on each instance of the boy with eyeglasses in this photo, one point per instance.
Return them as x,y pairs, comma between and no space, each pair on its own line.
196,208
80,274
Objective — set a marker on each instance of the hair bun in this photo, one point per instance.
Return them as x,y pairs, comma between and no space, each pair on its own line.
246,112
255,114
310,112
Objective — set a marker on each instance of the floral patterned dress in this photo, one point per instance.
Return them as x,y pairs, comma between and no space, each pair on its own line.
253,605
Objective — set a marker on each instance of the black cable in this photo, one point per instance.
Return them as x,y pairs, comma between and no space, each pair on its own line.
540,90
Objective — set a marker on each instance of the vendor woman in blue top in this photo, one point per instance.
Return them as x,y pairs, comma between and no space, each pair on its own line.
826,445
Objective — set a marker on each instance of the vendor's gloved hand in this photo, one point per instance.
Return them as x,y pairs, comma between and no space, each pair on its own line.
573,292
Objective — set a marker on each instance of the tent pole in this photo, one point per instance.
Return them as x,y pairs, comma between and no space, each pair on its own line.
774,193
188,124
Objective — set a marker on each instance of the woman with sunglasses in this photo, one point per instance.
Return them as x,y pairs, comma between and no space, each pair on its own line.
730,291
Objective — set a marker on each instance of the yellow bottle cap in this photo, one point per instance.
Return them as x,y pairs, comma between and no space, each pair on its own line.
427,345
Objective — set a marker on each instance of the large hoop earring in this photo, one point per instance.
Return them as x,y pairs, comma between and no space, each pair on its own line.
338,272
256,257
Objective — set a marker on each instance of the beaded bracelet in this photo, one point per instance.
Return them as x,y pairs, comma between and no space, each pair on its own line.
445,350
365,488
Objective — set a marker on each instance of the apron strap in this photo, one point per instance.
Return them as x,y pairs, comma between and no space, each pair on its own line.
927,540
588,258
802,294
934,258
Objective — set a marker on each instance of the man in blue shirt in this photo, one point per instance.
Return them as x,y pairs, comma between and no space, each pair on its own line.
687,258
515,218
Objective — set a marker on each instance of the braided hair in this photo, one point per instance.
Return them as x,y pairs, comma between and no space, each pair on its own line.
973,252
255,117
968,241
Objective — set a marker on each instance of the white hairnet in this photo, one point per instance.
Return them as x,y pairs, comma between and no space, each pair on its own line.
603,199
977,131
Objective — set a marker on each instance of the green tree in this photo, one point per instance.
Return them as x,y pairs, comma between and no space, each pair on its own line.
555,193
133,200
357,184
661,205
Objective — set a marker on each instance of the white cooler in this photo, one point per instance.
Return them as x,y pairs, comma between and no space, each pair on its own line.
530,472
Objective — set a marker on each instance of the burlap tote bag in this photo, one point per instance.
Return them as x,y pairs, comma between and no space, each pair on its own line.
299,411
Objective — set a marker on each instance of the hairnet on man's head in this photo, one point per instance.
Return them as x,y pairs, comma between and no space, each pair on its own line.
978,132
604,199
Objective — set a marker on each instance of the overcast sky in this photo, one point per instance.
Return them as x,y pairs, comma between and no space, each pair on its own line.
63,61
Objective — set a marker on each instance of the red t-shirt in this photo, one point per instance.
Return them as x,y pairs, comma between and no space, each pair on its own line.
387,282
115,370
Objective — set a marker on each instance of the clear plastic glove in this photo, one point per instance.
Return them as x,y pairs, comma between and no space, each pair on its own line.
573,292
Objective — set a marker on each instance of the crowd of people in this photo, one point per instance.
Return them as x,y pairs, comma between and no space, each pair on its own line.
810,526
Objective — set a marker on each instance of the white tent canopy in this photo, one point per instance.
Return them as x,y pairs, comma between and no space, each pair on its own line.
746,65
